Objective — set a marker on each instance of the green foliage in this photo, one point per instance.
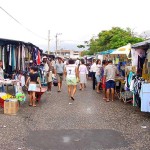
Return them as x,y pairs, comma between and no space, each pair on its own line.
112,39
81,46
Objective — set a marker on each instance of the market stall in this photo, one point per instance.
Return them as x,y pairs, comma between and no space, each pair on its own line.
17,54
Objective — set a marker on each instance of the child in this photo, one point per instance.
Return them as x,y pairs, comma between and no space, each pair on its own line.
32,81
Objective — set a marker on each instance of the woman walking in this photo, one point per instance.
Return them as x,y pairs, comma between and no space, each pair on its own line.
83,74
32,82
98,74
71,74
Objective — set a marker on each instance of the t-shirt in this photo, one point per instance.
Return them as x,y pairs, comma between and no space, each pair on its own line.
98,69
77,62
33,77
83,69
71,70
110,72
93,67
59,67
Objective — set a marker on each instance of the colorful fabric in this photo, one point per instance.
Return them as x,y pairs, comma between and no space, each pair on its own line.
21,96
38,58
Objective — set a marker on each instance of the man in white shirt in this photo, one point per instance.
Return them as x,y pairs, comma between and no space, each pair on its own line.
77,62
93,70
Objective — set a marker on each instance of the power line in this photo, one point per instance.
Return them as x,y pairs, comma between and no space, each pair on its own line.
22,24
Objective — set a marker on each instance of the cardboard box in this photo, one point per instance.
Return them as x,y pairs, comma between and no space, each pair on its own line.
11,106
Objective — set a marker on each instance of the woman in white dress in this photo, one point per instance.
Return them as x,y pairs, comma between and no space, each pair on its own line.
82,74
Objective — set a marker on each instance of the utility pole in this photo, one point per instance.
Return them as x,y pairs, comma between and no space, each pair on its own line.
56,43
48,42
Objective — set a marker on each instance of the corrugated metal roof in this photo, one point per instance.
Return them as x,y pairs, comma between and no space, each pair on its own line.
147,42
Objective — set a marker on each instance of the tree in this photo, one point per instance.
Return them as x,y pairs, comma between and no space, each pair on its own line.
113,39
81,46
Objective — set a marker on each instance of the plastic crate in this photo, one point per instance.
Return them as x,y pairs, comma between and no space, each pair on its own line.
1,103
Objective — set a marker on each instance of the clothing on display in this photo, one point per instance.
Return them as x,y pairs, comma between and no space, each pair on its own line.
145,97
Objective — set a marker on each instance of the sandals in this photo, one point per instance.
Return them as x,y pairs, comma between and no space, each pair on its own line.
72,98
107,100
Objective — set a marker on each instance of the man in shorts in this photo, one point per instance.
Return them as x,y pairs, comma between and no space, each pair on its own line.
110,73
59,72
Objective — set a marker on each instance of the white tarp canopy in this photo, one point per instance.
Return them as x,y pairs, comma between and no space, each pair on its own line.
123,50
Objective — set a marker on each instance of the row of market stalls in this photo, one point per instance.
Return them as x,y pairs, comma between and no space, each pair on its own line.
16,55
133,82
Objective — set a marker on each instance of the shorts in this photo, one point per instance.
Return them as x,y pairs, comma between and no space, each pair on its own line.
71,81
110,84
59,77
32,87
49,78
97,78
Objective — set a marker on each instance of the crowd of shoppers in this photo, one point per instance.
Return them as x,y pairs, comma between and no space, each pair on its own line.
103,77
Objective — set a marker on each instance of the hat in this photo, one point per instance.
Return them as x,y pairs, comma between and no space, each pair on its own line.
44,57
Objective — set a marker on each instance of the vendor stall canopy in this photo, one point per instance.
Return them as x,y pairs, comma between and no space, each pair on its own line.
121,50
144,45
107,52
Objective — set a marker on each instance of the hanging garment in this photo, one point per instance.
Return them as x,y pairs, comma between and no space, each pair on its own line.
23,58
19,57
140,65
1,52
145,98
129,78
3,57
138,81
38,58
13,58
10,54
35,54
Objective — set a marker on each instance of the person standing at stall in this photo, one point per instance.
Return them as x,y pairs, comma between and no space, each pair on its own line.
1,70
93,70
110,73
98,75
1,75
48,69
71,73
59,72
104,64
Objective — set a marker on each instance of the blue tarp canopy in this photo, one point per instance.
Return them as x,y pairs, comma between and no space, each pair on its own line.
106,52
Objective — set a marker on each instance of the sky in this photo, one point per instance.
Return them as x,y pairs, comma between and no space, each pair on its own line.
76,20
